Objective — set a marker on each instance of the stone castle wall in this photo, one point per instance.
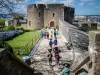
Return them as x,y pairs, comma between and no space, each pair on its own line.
48,13
57,9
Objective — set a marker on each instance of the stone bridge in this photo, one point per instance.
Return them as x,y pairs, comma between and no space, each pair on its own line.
83,55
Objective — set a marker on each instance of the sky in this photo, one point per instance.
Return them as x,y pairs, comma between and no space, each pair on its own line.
21,7
82,7
87,7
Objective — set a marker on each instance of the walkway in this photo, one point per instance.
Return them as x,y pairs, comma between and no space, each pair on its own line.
40,58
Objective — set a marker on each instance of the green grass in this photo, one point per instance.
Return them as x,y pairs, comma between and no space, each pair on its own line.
21,41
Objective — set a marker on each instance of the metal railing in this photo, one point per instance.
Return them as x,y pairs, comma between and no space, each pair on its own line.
29,46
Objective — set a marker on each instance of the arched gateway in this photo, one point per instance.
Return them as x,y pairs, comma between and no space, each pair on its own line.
52,24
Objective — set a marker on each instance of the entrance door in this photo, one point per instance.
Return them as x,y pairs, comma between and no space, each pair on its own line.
52,24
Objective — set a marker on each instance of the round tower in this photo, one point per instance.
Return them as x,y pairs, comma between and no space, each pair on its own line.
35,16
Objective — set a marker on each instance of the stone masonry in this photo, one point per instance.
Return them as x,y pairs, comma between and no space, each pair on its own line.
94,49
40,15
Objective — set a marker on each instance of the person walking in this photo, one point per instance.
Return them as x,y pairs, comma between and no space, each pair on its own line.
54,32
50,43
56,51
57,57
51,34
50,57
55,42
66,70
41,34
47,35
44,35
57,33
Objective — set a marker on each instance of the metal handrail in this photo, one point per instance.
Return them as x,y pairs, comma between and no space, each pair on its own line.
26,47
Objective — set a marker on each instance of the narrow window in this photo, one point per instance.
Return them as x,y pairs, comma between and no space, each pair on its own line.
53,14
39,14
29,23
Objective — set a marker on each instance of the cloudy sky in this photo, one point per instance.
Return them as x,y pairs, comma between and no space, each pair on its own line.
21,7
86,7
82,7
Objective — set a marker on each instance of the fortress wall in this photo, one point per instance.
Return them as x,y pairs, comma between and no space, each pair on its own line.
58,9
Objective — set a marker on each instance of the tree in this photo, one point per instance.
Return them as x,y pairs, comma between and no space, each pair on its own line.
9,6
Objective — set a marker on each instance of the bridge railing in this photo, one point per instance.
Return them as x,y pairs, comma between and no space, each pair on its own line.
26,49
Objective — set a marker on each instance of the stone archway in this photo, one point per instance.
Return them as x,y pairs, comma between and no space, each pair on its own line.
52,24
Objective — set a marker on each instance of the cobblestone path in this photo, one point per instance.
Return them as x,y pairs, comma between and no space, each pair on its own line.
40,61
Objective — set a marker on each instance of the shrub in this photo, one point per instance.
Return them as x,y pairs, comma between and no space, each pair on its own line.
20,28
9,28
10,34
46,27
26,30
36,29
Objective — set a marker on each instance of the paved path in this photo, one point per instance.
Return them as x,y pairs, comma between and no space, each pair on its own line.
40,61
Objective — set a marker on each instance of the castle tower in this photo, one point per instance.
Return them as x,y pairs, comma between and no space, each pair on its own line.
52,14
35,16
40,15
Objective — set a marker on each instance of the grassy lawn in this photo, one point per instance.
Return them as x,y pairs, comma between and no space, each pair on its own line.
23,43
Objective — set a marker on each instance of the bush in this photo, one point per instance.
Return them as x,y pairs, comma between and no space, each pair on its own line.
45,27
10,34
9,28
36,29
20,28
26,30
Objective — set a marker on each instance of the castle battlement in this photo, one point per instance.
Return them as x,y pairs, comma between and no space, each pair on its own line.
44,5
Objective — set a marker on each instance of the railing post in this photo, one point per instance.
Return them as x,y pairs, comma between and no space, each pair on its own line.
26,47
32,42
